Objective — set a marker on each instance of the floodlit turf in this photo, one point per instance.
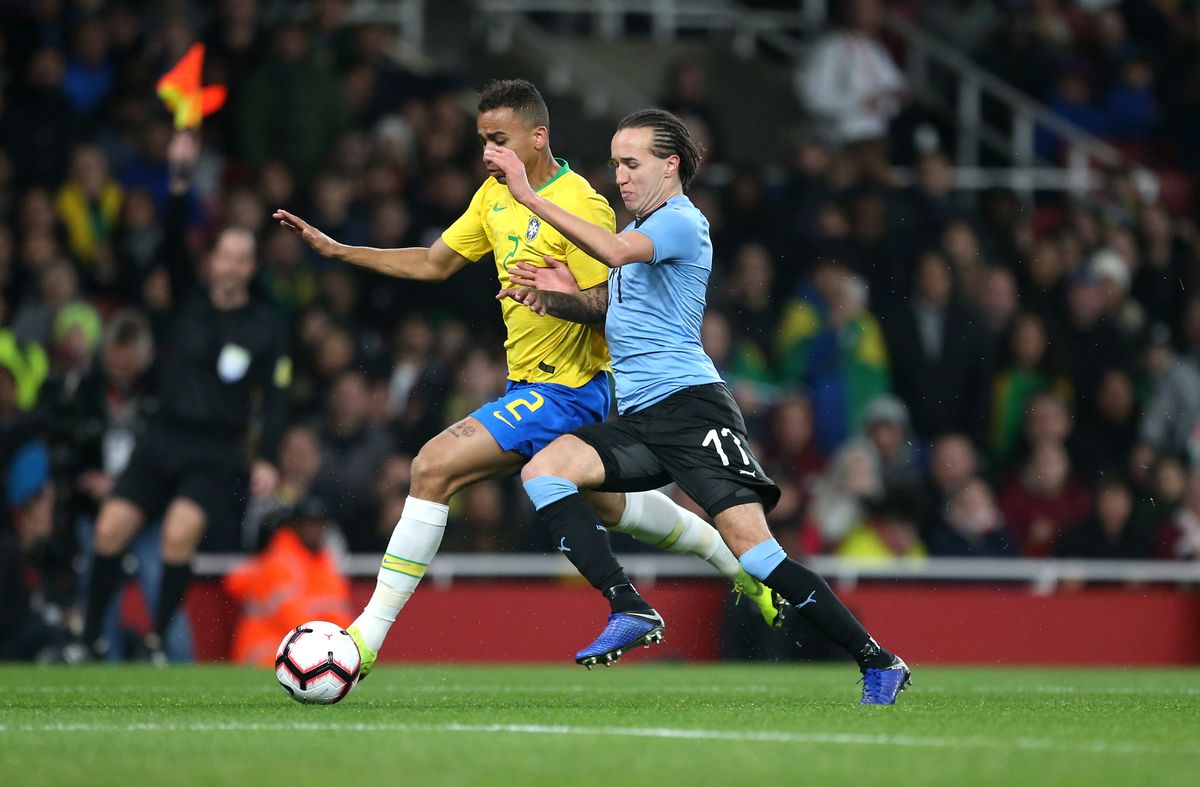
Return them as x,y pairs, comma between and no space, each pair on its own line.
633,724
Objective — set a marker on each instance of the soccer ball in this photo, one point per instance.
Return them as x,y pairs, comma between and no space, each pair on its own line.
317,662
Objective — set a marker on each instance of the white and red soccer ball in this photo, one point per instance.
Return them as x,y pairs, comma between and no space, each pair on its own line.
318,663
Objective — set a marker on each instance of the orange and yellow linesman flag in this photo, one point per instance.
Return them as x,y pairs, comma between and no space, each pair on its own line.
180,90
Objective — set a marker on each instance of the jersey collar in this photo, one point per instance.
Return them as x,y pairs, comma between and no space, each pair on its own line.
564,168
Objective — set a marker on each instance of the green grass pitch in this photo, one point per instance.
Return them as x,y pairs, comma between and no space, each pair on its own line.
630,725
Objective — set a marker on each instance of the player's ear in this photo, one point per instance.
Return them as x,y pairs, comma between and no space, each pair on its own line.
541,136
672,166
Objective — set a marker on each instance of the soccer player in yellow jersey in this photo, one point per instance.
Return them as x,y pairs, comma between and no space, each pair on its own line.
557,379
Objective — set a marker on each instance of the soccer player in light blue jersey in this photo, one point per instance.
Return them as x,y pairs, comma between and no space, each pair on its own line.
678,421
557,380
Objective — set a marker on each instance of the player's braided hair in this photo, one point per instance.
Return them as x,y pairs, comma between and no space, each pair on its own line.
518,95
671,138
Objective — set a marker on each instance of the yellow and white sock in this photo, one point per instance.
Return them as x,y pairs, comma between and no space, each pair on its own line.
414,542
652,518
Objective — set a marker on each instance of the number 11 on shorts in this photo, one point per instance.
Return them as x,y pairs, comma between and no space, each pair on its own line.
713,439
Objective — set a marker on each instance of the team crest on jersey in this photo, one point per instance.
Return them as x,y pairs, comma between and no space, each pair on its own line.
532,231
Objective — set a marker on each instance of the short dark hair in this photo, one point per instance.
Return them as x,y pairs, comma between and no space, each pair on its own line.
520,96
671,138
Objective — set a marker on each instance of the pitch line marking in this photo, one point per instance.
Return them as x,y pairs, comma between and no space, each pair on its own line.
835,739
511,689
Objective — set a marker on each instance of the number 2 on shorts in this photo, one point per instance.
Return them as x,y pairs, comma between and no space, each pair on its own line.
713,439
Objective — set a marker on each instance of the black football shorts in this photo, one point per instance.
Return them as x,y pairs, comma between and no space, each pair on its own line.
695,437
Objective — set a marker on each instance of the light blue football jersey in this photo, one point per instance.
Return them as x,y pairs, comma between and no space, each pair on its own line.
656,308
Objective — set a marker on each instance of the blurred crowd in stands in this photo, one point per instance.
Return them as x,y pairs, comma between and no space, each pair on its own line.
926,372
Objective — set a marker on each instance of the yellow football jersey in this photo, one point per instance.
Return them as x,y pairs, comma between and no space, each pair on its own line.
540,349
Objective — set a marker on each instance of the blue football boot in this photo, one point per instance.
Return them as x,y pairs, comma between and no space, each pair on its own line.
881,686
625,631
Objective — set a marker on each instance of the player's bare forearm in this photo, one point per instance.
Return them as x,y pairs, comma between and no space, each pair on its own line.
611,248
436,263
411,263
607,247
588,307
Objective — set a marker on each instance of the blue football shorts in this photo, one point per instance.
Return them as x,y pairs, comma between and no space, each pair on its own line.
531,415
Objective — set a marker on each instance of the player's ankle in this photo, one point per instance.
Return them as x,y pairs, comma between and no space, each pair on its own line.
625,598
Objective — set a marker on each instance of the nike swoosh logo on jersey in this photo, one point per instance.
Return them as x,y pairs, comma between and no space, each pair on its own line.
497,208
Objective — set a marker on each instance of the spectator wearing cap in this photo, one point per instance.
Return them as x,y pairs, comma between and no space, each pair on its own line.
294,579
31,625
101,419
1110,268
1092,341
77,332
885,424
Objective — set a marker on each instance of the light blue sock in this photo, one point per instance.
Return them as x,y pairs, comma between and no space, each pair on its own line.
759,561
547,489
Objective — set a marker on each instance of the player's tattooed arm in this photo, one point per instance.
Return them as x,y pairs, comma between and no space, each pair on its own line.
552,289
461,429
588,306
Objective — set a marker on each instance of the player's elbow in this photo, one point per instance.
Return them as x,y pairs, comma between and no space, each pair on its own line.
619,254
436,274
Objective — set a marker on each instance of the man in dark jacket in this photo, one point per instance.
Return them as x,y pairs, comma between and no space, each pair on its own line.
939,356
224,361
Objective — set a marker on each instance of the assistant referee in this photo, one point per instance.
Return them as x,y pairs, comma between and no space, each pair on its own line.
224,369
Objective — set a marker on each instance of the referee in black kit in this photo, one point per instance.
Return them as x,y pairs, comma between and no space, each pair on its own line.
224,357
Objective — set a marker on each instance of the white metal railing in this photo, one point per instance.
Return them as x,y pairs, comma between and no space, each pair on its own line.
973,85
668,18
406,17
1039,575
785,33
600,89
1022,179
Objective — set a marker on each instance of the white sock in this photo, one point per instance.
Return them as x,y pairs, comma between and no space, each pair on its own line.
414,542
652,518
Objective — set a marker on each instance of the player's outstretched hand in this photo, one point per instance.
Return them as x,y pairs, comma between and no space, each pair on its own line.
554,277
321,243
515,176
524,295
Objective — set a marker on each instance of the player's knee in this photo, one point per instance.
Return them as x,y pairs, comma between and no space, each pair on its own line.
182,528
115,526
536,467
432,476
177,547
